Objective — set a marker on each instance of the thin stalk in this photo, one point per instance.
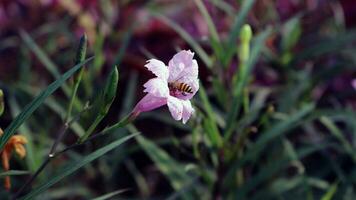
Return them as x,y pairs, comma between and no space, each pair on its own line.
81,52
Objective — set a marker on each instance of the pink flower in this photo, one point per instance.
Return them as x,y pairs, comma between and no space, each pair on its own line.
174,85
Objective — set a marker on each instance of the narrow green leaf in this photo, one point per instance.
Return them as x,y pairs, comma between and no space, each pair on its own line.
31,107
215,40
191,41
271,169
75,165
212,29
210,123
51,67
110,195
239,20
43,57
235,30
13,173
330,193
337,133
328,45
290,34
275,131
167,165
222,5
125,43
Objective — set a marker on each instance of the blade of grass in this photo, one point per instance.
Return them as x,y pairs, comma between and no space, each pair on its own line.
215,40
13,173
330,193
110,195
277,130
167,165
270,170
75,165
328,45
224,7
31,107
215,135
46,61
185,35
125,43
337,133
54,105
235,30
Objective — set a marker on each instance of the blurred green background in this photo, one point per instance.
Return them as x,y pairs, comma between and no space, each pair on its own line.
275,122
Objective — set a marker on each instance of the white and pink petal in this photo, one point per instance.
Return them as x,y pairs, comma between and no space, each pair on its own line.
158,68
157,87
175,106
179,62
188,110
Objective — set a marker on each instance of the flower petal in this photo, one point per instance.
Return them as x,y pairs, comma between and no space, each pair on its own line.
158,68
187,110
20,150
180,62
149,102
175,106
157,87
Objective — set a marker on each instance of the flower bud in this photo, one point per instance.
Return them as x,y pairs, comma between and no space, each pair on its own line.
245,39
82,49
110,90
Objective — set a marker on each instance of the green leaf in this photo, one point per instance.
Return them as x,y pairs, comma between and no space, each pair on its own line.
110,195
167,165
75,165
13,173
291,33
210,122
275,131
215,40
328,45
43,57
235,30
239,20
31,107
186,36
330,193
274,168
108,95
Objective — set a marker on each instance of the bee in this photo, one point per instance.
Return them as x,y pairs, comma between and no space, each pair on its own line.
181,87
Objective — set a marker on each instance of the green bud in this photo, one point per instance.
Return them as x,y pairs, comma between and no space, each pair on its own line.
245,39
82,49
246,34
110,89
2,105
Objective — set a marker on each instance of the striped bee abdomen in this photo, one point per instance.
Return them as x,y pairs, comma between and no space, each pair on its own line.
181,87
